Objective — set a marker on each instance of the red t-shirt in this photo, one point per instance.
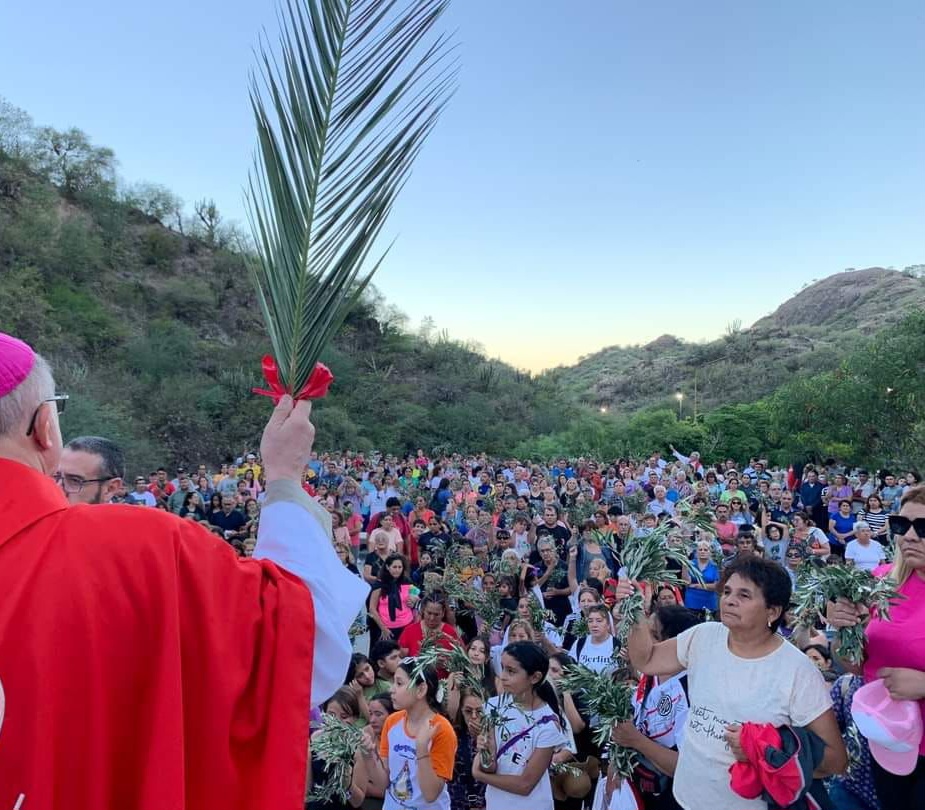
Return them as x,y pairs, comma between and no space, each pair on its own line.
413,636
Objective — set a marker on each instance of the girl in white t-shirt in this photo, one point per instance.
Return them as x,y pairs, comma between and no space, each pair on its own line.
514,760
597,651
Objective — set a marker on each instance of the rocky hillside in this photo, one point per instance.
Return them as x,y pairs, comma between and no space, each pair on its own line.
807,334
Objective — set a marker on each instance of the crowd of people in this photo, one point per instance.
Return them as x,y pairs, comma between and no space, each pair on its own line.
520,565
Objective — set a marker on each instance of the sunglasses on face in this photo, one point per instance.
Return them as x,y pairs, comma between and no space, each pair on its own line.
899,526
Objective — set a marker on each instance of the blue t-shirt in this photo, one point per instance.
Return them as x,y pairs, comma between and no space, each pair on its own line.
699,599
844,525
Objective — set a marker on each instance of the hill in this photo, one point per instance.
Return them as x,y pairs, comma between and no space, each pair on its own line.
155,333
149,319
807,334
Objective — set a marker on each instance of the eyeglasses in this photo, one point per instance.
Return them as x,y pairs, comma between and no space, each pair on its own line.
899,526
72,484
60,401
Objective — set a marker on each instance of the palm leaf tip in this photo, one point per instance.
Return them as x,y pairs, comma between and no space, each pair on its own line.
343,104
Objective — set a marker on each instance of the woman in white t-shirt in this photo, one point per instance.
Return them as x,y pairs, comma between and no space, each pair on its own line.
864,552
596,651
514,760
739,670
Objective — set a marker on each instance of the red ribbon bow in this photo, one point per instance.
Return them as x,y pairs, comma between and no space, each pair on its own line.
316,387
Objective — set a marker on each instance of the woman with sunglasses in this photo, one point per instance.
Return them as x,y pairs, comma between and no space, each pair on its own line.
895,649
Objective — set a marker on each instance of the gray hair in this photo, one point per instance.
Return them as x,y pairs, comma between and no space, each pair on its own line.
546,542
17,407
862,524
112,459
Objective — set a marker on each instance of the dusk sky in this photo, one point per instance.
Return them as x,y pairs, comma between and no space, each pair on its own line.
608,171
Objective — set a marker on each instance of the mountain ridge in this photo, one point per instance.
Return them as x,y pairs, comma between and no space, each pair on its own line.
807,333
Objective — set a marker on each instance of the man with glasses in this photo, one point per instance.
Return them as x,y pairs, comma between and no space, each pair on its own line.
91,470
120,624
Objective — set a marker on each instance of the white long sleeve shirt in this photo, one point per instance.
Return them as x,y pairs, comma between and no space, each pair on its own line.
295,533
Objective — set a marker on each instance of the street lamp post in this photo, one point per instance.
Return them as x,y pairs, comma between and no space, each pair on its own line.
680,397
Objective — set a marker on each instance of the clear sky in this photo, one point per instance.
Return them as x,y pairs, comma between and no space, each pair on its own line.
608,171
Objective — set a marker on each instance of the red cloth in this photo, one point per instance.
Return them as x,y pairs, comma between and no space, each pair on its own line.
144,664
413,636
750,779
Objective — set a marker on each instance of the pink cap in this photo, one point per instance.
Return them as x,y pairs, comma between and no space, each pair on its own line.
16,361
893,728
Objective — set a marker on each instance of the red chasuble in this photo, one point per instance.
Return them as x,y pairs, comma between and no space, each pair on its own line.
143,665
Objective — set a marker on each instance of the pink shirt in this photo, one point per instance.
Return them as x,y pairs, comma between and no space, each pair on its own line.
403,616
899,642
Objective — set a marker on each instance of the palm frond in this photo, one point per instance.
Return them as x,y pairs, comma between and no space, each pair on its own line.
342,106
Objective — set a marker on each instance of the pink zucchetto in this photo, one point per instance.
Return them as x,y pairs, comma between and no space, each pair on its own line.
16,362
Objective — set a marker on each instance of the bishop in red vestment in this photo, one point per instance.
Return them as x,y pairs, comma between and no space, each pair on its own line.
143,665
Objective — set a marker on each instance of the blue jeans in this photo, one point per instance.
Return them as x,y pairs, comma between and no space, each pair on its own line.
844,799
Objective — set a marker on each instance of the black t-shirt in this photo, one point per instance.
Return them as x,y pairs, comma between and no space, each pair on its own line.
375,563
233,522
560,605
426,540
560,535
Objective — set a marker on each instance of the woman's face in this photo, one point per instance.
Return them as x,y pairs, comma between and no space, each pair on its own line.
597,569
396,569
586,600
523,608
598,626
818,659
377,715
194,500
555,671
364,675
874,503
471,709
488,583
666,597
514,678
342,554
403,693
477,652
911,545
339,711
844,509
703,552
743,607
518,633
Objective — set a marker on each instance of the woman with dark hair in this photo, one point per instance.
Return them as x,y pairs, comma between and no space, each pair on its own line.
514,760
465,792
392,601
215,503
342,705
841,527
413,759
875,516
442,498
739,669
253,486
192,508
380,707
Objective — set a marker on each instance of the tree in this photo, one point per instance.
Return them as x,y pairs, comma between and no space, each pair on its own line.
17,132
155,201
209,219
72,162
